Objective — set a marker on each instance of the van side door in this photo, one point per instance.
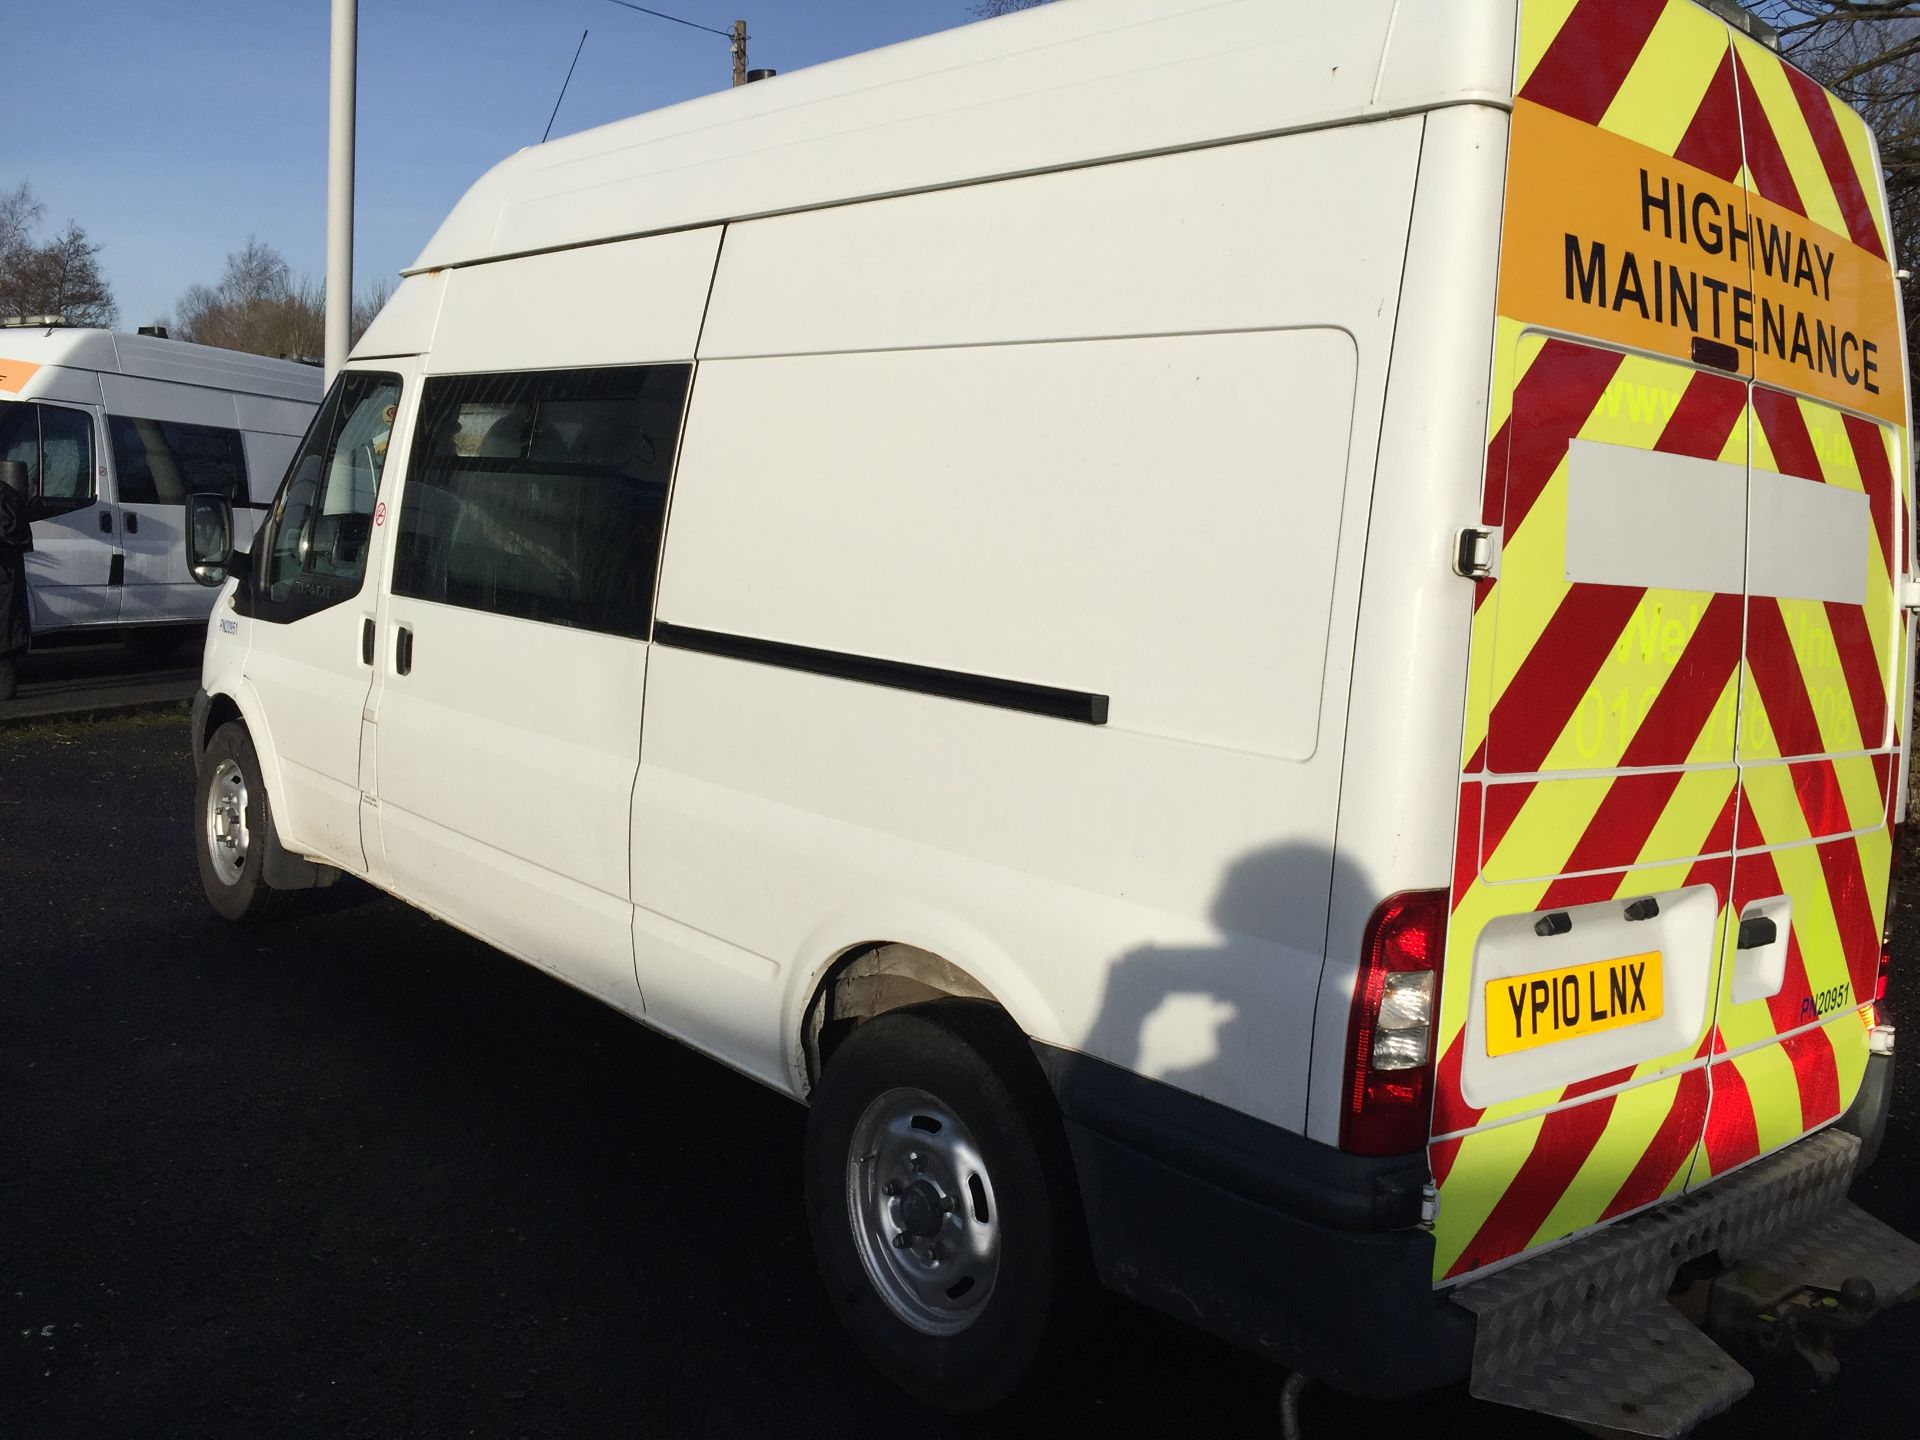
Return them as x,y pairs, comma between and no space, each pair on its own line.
310,602
74,568
157,463
513,657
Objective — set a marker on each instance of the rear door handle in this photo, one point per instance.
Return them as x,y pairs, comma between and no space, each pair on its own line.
1757,932
403,651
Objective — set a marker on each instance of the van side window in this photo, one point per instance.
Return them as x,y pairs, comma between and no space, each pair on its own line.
161,462
56,445
314,544
542,496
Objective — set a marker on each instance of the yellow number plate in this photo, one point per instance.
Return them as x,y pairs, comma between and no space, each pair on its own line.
1528,1010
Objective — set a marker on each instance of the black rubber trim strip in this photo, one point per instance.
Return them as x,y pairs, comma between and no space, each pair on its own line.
1078,705
1217,1146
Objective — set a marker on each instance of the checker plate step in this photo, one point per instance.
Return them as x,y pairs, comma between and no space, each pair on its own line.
1585,1331
1649,1372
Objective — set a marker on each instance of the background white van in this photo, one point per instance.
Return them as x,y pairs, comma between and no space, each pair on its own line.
116,431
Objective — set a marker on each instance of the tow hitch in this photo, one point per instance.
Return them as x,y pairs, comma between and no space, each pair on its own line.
1801,1299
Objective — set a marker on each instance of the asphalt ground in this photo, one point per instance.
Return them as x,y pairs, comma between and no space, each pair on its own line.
358,1175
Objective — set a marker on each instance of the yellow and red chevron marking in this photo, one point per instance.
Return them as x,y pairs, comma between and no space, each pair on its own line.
1770,1096
1608,725
1510,1187
1637,684
1819,672
1661,74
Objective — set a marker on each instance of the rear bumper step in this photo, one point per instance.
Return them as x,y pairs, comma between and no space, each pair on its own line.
1588,1333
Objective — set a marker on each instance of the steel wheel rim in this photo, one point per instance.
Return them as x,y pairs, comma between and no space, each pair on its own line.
925,1220
227,836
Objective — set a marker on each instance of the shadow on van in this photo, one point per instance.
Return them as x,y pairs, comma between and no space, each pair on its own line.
1206,1017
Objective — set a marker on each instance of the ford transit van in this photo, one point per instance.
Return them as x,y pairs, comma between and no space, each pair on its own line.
1265,642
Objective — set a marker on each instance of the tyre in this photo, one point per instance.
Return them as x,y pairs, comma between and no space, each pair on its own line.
234,828
941,1201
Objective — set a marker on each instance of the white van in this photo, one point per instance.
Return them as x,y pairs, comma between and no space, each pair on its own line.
116,431
1270,636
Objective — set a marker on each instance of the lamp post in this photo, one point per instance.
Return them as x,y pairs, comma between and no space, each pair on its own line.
340,108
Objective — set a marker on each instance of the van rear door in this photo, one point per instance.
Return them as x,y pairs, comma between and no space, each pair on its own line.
1598,788
1819,727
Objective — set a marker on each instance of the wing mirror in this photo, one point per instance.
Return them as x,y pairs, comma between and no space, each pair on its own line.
211,558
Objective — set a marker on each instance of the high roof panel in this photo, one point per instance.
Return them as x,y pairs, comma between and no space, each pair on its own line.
1065,84
177,361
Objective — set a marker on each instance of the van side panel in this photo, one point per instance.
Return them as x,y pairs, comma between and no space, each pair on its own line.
620,304
1098,431
406,323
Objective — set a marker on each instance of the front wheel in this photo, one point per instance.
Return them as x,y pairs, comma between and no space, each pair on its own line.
235,828
941,1201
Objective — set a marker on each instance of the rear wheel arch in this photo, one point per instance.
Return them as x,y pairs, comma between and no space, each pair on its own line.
871,979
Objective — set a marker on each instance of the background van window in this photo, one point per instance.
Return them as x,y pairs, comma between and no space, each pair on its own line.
161,462
56,446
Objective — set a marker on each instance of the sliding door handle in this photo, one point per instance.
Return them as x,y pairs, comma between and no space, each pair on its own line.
403,651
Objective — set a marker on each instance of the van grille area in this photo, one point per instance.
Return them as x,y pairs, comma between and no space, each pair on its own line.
1588,1333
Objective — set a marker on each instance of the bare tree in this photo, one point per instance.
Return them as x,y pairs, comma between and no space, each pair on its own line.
259,305
369,303
60,277
20,216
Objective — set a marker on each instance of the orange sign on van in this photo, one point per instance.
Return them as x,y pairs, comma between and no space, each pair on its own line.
14,374
1609,239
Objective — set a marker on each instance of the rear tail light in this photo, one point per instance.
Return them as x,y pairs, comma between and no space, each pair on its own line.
1389,1094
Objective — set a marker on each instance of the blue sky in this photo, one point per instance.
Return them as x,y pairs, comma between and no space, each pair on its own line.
174,129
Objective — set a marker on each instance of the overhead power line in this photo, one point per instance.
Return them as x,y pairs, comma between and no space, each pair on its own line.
662,15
